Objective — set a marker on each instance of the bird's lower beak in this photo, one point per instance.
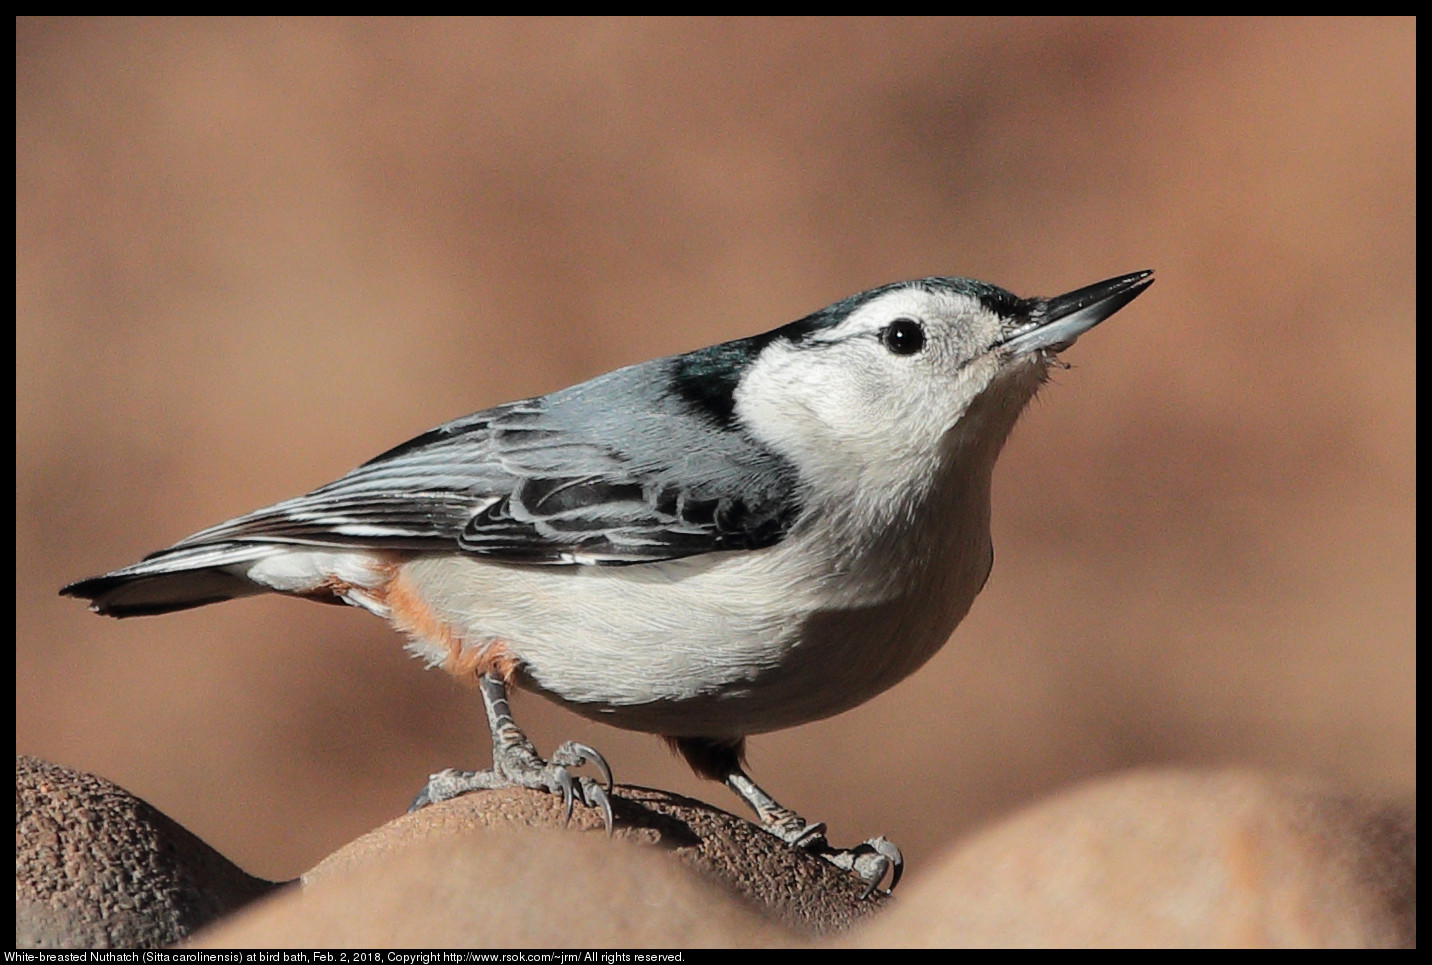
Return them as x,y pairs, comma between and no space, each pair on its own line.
1054,323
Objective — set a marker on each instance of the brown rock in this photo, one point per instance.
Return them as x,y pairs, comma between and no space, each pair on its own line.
1173,859
96,867
705,877
1144,859
792,887
508,887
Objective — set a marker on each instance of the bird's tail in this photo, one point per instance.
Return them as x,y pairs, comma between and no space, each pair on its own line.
175,579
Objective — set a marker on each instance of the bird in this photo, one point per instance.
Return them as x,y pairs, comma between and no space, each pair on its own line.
739,539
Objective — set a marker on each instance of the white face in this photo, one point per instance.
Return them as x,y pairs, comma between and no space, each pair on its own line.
869,405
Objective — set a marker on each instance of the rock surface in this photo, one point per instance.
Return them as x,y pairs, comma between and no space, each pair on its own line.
1173,858
96,867
1158,858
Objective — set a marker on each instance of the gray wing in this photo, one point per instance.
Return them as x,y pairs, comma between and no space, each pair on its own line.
633,466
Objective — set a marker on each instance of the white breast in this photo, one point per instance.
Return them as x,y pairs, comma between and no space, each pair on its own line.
727,644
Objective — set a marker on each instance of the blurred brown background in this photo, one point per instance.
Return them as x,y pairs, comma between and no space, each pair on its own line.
251,254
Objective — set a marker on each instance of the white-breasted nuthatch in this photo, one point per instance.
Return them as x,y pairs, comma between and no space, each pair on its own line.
743,538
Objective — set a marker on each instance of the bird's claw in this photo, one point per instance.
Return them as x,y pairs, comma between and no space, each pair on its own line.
564,784
887,858
870,861
514,771
573,754
592,794
598,797
516,763
450,783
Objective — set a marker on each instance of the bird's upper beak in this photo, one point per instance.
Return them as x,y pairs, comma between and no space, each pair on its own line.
1054,323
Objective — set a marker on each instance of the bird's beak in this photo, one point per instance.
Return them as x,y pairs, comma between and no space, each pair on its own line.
1054,323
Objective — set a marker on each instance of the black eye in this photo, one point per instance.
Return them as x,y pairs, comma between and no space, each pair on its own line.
904,336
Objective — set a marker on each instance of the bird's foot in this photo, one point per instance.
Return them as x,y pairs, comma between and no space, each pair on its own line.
870,861
796,831
517,764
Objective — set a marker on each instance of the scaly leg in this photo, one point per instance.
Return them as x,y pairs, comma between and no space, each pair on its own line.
516,762
720,760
